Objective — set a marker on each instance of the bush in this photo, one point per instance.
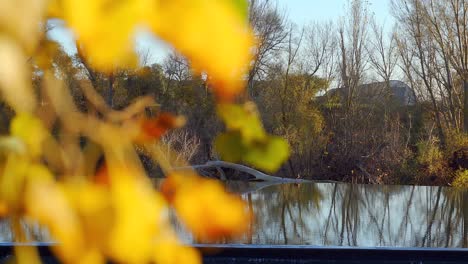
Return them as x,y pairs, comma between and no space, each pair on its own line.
430,156
461,179
433,164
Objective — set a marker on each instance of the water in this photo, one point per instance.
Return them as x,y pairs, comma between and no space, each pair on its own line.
329,214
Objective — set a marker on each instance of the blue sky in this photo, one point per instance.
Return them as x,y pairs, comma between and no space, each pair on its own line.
301,12
304,11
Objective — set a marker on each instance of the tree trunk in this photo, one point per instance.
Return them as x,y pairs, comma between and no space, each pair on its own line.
110,91
465,106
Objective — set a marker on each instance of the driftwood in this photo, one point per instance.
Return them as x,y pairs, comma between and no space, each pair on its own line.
258,176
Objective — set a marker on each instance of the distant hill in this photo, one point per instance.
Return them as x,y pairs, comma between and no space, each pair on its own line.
378,92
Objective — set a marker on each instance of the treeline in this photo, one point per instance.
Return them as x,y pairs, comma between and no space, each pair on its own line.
343,136
333,135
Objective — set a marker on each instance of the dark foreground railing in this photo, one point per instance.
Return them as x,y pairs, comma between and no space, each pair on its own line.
308,254
234,254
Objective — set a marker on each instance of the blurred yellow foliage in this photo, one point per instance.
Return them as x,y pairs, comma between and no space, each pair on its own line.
47,175
183,192
212,34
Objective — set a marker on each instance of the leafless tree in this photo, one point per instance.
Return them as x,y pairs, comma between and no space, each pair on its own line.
382,50
176,67
353,33
320,50
412,22
269,25
145,56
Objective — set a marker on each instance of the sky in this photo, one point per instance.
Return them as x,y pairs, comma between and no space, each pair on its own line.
300,12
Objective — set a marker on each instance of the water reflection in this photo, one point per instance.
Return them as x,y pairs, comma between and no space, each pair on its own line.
359,215
30,232
329,214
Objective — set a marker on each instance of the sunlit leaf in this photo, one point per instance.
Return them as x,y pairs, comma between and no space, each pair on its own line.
171,252
104,30
223,214
212,36
230,146
21,20
47,203
244,119
138,211
154,128
268,155
246,141
242,7
15,84
25,254
31,130
12,180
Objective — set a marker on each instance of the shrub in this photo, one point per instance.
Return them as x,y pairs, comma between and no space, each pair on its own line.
430,156
461,179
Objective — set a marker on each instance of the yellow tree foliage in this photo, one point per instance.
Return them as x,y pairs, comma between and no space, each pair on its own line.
114,213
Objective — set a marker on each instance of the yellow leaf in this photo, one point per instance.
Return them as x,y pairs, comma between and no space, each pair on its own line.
243,118
91,256
223,214
31,130
4,210
137,216
105,30
12,180
92,204
21,20
212,35
27,255
15,80
170,252
46,202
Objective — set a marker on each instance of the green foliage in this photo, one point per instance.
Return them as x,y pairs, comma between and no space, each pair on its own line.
430,156
246,140
267,154
243,119
242,7
461,179
455,141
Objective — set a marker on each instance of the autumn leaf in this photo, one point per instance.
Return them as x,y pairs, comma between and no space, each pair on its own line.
267,154
31,131
47,203
171,252
246,140
154,128
137,217
213,36
224,214
21,20
15,83
243,118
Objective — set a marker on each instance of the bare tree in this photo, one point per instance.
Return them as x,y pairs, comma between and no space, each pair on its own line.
382,50
293,46
411,17
145,56
268,24
176,67
319,54
454,16
353,33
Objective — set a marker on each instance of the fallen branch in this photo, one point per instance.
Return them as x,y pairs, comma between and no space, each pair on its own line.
255,173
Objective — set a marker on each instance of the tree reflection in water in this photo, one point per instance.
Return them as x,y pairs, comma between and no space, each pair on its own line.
340,214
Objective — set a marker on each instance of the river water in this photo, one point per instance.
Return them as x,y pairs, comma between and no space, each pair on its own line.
341,214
